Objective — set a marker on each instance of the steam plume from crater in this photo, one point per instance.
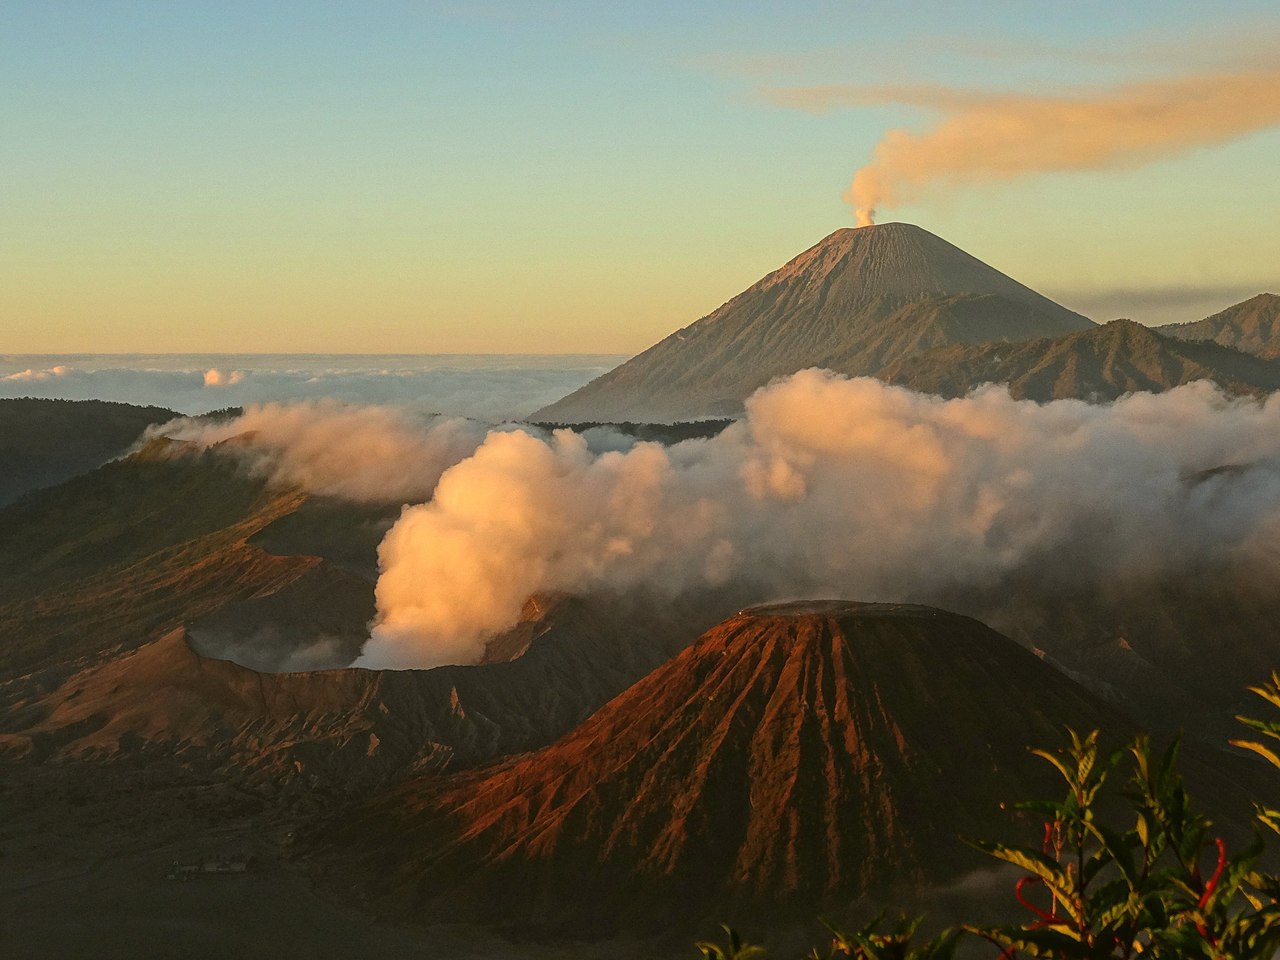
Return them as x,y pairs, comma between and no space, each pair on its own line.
985,136
840,487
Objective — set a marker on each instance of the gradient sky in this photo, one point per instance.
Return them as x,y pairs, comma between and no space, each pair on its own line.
558,176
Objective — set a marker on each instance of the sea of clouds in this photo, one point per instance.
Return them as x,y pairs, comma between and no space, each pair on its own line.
491,388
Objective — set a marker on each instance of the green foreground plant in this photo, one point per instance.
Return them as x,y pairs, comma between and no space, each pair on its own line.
1160,883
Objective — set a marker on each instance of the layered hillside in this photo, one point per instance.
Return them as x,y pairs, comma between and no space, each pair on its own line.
44,442
310,736
134,549
796,754
1252,325
124,592
856,301
1098,364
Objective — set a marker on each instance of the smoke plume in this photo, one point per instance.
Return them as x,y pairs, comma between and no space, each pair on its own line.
839,487
365,453
992,136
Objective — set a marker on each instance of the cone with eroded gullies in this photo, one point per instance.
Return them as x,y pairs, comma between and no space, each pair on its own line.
797,755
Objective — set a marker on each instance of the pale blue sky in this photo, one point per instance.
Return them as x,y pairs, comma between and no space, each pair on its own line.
543,176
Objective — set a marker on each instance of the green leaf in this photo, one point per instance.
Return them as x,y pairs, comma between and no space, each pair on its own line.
1067,774
1118,846
1043,942
1260,750
1033,861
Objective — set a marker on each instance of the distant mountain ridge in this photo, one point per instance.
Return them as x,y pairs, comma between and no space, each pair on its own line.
856,301
1252,325
1097,365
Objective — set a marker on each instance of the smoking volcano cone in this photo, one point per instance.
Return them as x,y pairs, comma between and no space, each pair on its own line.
856,301
796,755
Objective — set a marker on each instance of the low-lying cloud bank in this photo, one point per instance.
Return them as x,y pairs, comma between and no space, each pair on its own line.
840,487
488,388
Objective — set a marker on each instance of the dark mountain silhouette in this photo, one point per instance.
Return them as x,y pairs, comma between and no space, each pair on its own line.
44,442
796,755
855,302
1252,326
1098,364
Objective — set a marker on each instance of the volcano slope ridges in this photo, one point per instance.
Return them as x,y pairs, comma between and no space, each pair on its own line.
793,756
856,301
130,551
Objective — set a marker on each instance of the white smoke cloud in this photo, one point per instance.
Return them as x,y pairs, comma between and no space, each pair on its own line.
838,487
363,454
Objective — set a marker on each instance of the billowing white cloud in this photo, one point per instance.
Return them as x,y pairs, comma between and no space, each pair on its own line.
213,377
30,375
358,453
840,487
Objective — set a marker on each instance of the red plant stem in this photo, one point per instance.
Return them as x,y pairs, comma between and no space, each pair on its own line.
1045,916
1050,845
1217,873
